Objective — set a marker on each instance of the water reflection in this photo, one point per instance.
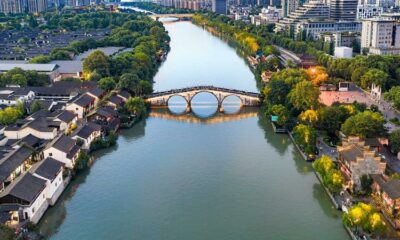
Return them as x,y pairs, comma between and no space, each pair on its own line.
193,117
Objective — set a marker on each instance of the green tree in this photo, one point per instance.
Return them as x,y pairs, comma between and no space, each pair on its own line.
334,180
394,140
304,96
280,111
393,96
323,165
128,81
365,124
35,106
107,83
306,137
143,88
376,76
19,79
331,119
276,91
366,183
136,106
96,61
82,161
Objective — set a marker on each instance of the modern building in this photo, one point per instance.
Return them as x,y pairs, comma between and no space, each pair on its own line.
314,28
11,6
343,10
311,10
289,6
368,11
37,6
267,15
343,52
77,3
380,36
220,6
342,39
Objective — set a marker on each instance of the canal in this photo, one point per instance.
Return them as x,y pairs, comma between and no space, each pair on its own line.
200,176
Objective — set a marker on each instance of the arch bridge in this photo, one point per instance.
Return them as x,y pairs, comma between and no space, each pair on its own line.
247,99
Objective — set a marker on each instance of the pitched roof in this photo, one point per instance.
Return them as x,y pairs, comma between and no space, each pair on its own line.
12,160
98,92
88,129
36,67
64,143
30,140
48,168
391,187
124,94
66,116
27,188
116,100
69,66
106,111
84,100
351,153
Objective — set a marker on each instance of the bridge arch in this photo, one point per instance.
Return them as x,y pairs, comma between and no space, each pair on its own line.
177,95
233,95
204,91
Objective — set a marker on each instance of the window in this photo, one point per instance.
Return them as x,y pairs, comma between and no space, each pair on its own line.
33,210
44,196
56,184
50,154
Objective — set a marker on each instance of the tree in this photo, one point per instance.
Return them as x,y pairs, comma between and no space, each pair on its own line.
323,165
394,140
366,183
317,75
128,81
393,96
107,83
365,124
82,161
331,119
96,61
35,106
136,106
143,88
19,79
276,91
374,76
309,117
305,136
304,96
364,216
334,180
282,113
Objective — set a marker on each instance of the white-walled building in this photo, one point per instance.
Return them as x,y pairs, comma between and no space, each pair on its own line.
63,149
343,52
368,11
380,36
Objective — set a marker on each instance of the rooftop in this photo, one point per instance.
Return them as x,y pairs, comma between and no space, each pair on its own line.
45,67
27,187
49,168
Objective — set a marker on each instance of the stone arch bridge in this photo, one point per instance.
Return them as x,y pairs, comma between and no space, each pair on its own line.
247,99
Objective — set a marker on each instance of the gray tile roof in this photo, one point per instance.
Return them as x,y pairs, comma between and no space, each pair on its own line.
46,67
64,143
88,129
49,168
68,66
84,100
27,188
391,187
66,116
12,160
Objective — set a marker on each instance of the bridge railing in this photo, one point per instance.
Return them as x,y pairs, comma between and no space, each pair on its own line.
205,88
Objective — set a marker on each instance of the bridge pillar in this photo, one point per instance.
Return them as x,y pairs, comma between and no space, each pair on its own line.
188,107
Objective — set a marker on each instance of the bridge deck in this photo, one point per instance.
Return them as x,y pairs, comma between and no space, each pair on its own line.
203,88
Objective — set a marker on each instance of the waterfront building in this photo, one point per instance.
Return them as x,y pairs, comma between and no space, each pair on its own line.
386,194
37,6
220,6
87,134
64,149
289,6
81,105
314,28
380,36
357,159
343,10
310,10
11,6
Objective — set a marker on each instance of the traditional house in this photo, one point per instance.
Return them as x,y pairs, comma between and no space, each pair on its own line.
356,159
12,95
115,101
63,149
41,127
97,93
107,117
387,196
13,164
50,170
29,192
89,132
67,118
124,95
81,105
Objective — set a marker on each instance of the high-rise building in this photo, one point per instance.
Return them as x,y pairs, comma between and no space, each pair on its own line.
11,6
77,3
343,10
310,10
36,6
289,6
380,36
368,11
219,6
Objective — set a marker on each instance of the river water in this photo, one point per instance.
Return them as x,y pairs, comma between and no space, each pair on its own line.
203,175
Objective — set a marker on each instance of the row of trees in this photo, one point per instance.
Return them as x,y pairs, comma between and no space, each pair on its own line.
17,76
365,216
332,178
